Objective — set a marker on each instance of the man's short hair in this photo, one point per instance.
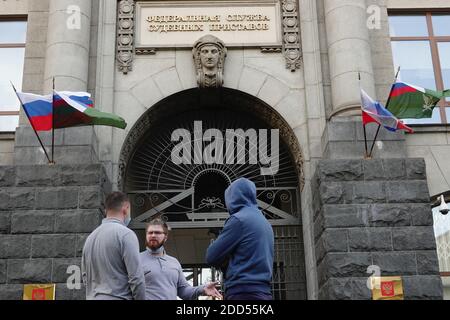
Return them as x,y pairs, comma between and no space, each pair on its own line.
115,201
158,222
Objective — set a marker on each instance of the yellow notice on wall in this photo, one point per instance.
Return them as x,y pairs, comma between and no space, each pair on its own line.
387,288
39,292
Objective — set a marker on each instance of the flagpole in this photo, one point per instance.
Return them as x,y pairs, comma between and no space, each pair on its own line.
374,140
53,122
34,129
365,141
387,106
364,126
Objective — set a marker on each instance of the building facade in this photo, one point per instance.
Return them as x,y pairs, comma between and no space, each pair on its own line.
295,66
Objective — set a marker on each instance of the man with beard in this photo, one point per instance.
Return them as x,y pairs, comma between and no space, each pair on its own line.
164,278
110,262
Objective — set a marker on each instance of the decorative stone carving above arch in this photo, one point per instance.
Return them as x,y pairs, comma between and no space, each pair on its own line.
290,47
209,54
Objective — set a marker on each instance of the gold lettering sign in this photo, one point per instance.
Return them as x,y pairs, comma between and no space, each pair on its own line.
211,23
179,24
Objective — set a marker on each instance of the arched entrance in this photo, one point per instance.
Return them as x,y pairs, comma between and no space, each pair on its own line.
184,152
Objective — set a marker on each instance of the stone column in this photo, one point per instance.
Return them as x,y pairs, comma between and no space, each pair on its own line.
34,64
66,60
349,53
67,56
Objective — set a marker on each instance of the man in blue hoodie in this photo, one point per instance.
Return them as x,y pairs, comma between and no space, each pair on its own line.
246,244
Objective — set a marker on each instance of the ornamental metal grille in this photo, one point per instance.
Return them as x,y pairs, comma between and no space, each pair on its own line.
192,195
288,280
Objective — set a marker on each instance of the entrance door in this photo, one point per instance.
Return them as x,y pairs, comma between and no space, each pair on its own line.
193,147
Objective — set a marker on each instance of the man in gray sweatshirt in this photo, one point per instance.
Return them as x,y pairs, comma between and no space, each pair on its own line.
110,262
163,274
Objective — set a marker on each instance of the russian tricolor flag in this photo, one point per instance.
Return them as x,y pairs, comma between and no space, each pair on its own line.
373,111
69,109
38,109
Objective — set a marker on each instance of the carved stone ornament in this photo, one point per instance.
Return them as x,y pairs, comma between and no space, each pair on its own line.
291,34
209,57
125,35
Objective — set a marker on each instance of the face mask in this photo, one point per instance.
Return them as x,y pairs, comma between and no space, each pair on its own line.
158,251
127,220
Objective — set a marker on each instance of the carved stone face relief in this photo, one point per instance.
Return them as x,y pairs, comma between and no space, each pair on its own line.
209,56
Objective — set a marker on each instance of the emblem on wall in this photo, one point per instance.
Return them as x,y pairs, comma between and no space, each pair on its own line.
209,57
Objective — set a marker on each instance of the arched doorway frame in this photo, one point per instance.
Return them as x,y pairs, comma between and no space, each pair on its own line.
289,279
264,111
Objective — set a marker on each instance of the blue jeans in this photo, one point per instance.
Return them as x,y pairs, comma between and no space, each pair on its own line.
249,296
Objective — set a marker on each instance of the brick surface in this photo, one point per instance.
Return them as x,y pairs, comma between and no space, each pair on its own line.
77,221
370,239
29,271
57,198
15,246
11,292
5,222
3,264
32,222
7,176
395,263
53,246
414,238
422,288
91,198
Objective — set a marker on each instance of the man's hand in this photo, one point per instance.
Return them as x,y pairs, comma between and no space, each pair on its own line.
210,290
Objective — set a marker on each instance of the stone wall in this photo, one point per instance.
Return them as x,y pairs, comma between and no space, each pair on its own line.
46,213
374,212
72,145
6,148
344,139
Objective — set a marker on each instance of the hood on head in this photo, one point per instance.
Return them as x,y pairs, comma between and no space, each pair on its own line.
241,193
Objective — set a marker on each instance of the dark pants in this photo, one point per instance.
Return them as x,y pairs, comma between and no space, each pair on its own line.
249,296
